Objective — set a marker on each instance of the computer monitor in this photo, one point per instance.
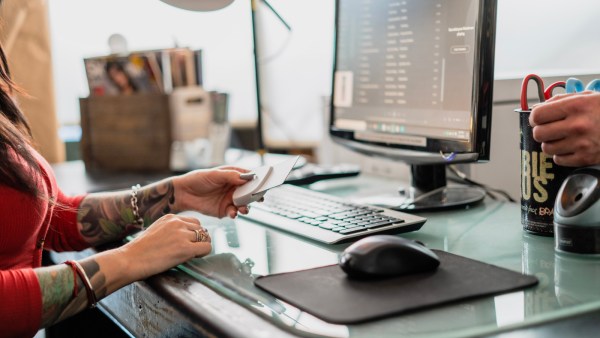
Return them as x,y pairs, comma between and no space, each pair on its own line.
413,81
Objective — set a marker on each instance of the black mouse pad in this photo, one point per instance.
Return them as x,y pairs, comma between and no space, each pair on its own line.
327,292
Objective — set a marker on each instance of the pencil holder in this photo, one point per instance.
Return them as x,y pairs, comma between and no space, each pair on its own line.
541,179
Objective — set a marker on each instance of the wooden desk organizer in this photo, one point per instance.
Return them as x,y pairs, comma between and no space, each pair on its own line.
126,133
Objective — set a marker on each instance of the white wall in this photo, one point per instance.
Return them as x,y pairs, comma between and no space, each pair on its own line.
548,37
296,65
295,69
81,29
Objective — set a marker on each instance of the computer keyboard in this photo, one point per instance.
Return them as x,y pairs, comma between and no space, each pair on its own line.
326,218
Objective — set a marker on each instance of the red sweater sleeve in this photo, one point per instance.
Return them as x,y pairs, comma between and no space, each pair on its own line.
21,308
66,235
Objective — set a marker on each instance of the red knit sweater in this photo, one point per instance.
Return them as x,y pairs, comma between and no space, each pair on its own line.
27,225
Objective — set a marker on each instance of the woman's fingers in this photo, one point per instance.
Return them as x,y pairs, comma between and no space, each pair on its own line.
201,249
197,233
190,223
232,175
200,236
191,227
234,168
231,211
170,241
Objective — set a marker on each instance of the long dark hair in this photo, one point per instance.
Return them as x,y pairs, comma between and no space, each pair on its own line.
15,138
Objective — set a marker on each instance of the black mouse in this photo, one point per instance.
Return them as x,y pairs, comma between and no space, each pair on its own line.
387,256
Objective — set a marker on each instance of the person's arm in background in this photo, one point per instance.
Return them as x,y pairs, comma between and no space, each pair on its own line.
169,241
568,126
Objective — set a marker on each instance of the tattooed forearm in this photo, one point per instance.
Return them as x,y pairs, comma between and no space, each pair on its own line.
108,216
56,284
96,277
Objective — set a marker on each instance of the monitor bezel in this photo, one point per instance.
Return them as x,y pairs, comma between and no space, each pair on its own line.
477,149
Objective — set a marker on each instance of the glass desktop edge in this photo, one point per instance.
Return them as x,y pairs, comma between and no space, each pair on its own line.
270,315
242,300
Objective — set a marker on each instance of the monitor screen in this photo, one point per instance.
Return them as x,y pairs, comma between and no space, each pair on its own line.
413,79
414,75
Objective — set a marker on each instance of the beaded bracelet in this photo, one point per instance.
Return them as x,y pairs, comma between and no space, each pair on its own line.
92,300
137,219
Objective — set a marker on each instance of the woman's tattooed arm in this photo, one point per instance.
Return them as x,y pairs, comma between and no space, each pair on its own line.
56,284
106,217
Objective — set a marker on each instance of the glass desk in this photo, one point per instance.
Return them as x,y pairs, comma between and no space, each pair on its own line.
195,299
490,232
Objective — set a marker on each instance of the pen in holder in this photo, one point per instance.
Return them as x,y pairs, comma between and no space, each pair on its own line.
541,178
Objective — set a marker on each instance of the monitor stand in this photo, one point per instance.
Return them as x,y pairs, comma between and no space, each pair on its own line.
429,191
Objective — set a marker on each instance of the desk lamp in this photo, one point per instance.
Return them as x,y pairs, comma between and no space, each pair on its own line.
212,5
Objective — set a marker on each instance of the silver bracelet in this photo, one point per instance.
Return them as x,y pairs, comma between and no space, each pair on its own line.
137,219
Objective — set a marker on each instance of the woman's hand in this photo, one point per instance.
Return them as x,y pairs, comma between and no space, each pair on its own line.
568,126
209,192
169,241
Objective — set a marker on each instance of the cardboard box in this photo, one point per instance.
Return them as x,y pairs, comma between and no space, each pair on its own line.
126,132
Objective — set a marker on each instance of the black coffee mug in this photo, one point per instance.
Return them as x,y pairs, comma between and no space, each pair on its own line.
541,179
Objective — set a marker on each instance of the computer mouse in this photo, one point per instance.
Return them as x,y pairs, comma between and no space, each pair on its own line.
577,212
387,256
